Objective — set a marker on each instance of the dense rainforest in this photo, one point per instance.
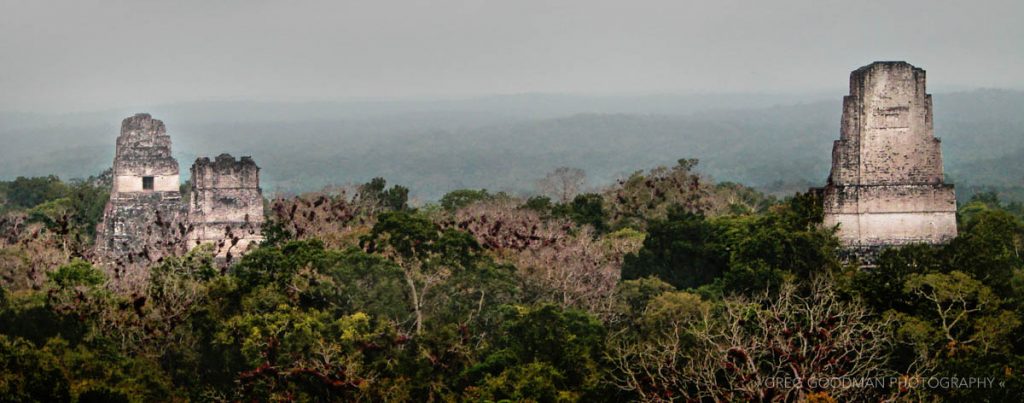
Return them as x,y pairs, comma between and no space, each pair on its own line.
664,286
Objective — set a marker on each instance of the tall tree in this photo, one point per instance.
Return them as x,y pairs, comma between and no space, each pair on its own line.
563,183
678,250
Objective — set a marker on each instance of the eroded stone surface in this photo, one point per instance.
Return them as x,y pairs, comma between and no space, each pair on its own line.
886,184
141,226
146,218
227,205
144,150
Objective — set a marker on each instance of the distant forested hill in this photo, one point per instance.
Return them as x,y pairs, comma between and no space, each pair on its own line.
775,143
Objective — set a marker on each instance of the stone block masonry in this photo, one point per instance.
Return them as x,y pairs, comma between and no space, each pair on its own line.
142,158
146,218
227,205
886,185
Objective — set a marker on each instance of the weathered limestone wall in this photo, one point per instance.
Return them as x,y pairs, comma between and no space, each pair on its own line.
226,209
886,185
885,229
142,226
144,150
132,183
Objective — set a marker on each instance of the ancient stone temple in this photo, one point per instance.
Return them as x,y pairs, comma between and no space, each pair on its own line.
142,158
146,217
226,207
886,186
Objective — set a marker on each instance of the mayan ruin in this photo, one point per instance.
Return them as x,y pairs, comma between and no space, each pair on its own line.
226,206
886,184
147,217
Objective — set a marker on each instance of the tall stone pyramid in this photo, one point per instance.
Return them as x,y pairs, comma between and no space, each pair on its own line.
145,219
886,186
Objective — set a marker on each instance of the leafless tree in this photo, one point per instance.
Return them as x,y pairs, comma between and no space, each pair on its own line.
564,183
578,272
557,261
502,226
781,347
329,216
644,196
145,320
28,251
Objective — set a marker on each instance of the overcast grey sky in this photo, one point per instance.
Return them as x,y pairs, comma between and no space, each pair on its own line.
88,54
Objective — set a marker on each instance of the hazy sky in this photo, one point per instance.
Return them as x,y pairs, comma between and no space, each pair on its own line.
88,55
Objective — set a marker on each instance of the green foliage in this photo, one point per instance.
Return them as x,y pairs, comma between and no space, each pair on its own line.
634,295
741,200
88,199
302,320
988,248
585,209
54,214
570,340
56,371
535,381
762,249
23,192
27,316
881,286
667,311
71,210
76,273
103,394
954,317
420,311
678,250
275,234
803,211
299,320
543,353
957,306
457,199
375,191
30,374
448,261
276,266
746,253
540,204
414,237
353,281
98,369
305,354
407,234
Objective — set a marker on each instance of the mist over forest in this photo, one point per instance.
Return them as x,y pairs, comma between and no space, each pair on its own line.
521,201
777,143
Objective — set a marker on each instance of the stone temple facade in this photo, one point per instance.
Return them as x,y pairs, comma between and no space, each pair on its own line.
226,207
886,186
147,218
143,221
142,159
